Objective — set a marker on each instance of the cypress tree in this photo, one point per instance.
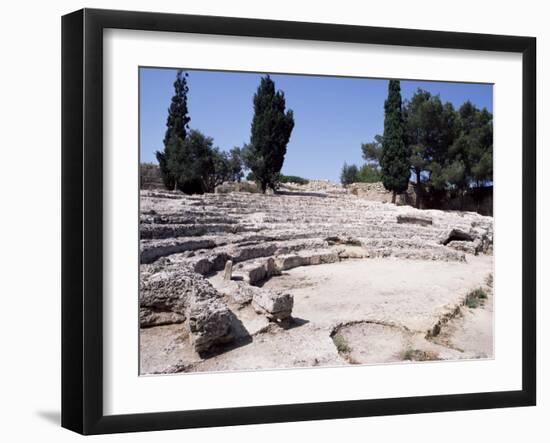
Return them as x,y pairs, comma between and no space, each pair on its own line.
270,133
176,129
178,115
394,159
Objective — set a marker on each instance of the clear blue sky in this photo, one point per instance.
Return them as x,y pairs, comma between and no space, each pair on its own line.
333,115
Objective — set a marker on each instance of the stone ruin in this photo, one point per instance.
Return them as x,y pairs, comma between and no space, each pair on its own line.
251,237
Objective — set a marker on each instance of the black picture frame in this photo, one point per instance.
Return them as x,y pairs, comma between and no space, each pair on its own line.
82,215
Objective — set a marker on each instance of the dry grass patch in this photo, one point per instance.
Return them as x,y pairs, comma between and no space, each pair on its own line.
475,298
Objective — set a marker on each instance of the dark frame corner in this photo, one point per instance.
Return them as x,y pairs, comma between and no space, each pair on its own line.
82,152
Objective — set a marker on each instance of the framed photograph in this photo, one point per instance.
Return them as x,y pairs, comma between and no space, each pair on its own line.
268,221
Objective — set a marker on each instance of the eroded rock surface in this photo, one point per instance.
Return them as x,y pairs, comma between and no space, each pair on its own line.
251,238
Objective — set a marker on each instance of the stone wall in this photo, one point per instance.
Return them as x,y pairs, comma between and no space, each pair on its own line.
377,192
478,200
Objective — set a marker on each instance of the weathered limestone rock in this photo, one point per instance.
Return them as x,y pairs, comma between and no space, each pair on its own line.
257,271
352,252
286,262
164,296
464,246
209,323
187,238
150,317
151,252
177,294
457,234
414,219
343,240
321,257
245,186
290,261
377,192
275,305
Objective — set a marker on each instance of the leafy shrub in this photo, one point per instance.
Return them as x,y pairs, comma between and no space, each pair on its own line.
341,344
293,179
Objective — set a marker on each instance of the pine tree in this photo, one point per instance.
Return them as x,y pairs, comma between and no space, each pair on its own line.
270,133
176,130
394,160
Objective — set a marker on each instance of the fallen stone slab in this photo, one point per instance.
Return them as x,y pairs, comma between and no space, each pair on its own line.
457,234
289,261
154,250
257,271
321,257
210,262
244,186
343,240
237,292
464,246
421,220
150,317
352,252
277,306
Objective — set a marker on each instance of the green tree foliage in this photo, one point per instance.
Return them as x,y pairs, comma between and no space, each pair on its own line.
177,123
167,178
191,162
293,179
368,174
394,159
430,130
270,133
226,166
373,151
199,167
349,174
235,161
449,150
176,129
471,154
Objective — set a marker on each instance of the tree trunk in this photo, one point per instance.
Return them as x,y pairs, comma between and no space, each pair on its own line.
393,195
418,190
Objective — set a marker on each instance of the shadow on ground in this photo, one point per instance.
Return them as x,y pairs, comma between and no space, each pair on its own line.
53,417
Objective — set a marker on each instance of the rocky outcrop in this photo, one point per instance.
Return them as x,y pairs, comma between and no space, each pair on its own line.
149,252
245,186
377,192
209,323
252,237
164,296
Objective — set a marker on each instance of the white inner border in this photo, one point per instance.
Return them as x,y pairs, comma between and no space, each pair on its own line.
126,392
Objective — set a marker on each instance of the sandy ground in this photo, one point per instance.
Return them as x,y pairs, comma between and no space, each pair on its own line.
352,312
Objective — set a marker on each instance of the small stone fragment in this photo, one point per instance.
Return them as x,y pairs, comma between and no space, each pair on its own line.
228,269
